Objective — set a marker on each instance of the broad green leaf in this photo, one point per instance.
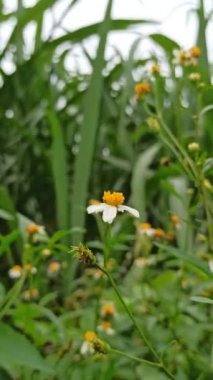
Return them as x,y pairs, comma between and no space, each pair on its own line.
17,351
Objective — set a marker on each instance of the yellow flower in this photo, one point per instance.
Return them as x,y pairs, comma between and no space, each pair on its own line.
89,336
108,310
195,51
33,228
86,347
146,229
181,57
142,88
155,69
29,268
111,205
141,261
106,327
53,269
175,219
30,294
159,233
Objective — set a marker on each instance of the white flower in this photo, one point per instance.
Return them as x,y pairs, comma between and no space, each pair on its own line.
113,203
15,272
106,327
146,229
86,348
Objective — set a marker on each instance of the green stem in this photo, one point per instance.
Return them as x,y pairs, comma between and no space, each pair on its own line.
118,352
143,337
117,291
106,244
208,215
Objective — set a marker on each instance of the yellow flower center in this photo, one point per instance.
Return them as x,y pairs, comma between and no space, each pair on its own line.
175,219
195,51
113,199
108,309
16,268
89,336
159,233
106,325
53,266
142,88
32,228
145,226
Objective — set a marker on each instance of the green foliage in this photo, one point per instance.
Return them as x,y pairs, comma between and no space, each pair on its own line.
66,137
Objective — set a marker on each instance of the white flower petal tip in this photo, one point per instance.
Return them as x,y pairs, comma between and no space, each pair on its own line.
131,210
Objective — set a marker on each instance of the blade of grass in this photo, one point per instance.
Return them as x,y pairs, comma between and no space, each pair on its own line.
83,163
141,174
59,168
201,42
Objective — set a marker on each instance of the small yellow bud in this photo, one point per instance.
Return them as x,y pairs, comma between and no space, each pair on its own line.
207,184
194,147
153,124
194,77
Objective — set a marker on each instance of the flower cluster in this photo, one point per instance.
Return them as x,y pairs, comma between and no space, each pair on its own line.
186,57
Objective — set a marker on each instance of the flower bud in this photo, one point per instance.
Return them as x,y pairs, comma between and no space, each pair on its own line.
153,124
100,346
194,147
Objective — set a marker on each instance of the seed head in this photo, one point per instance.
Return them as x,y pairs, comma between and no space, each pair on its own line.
83,254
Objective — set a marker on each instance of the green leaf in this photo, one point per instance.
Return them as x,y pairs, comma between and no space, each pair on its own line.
164,42
89,30
7,240
6,215
202,42
16,351
188,259
140,176
202,299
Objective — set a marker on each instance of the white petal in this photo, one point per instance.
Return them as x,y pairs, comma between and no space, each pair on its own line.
93,209
84,348
131,210
109,213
